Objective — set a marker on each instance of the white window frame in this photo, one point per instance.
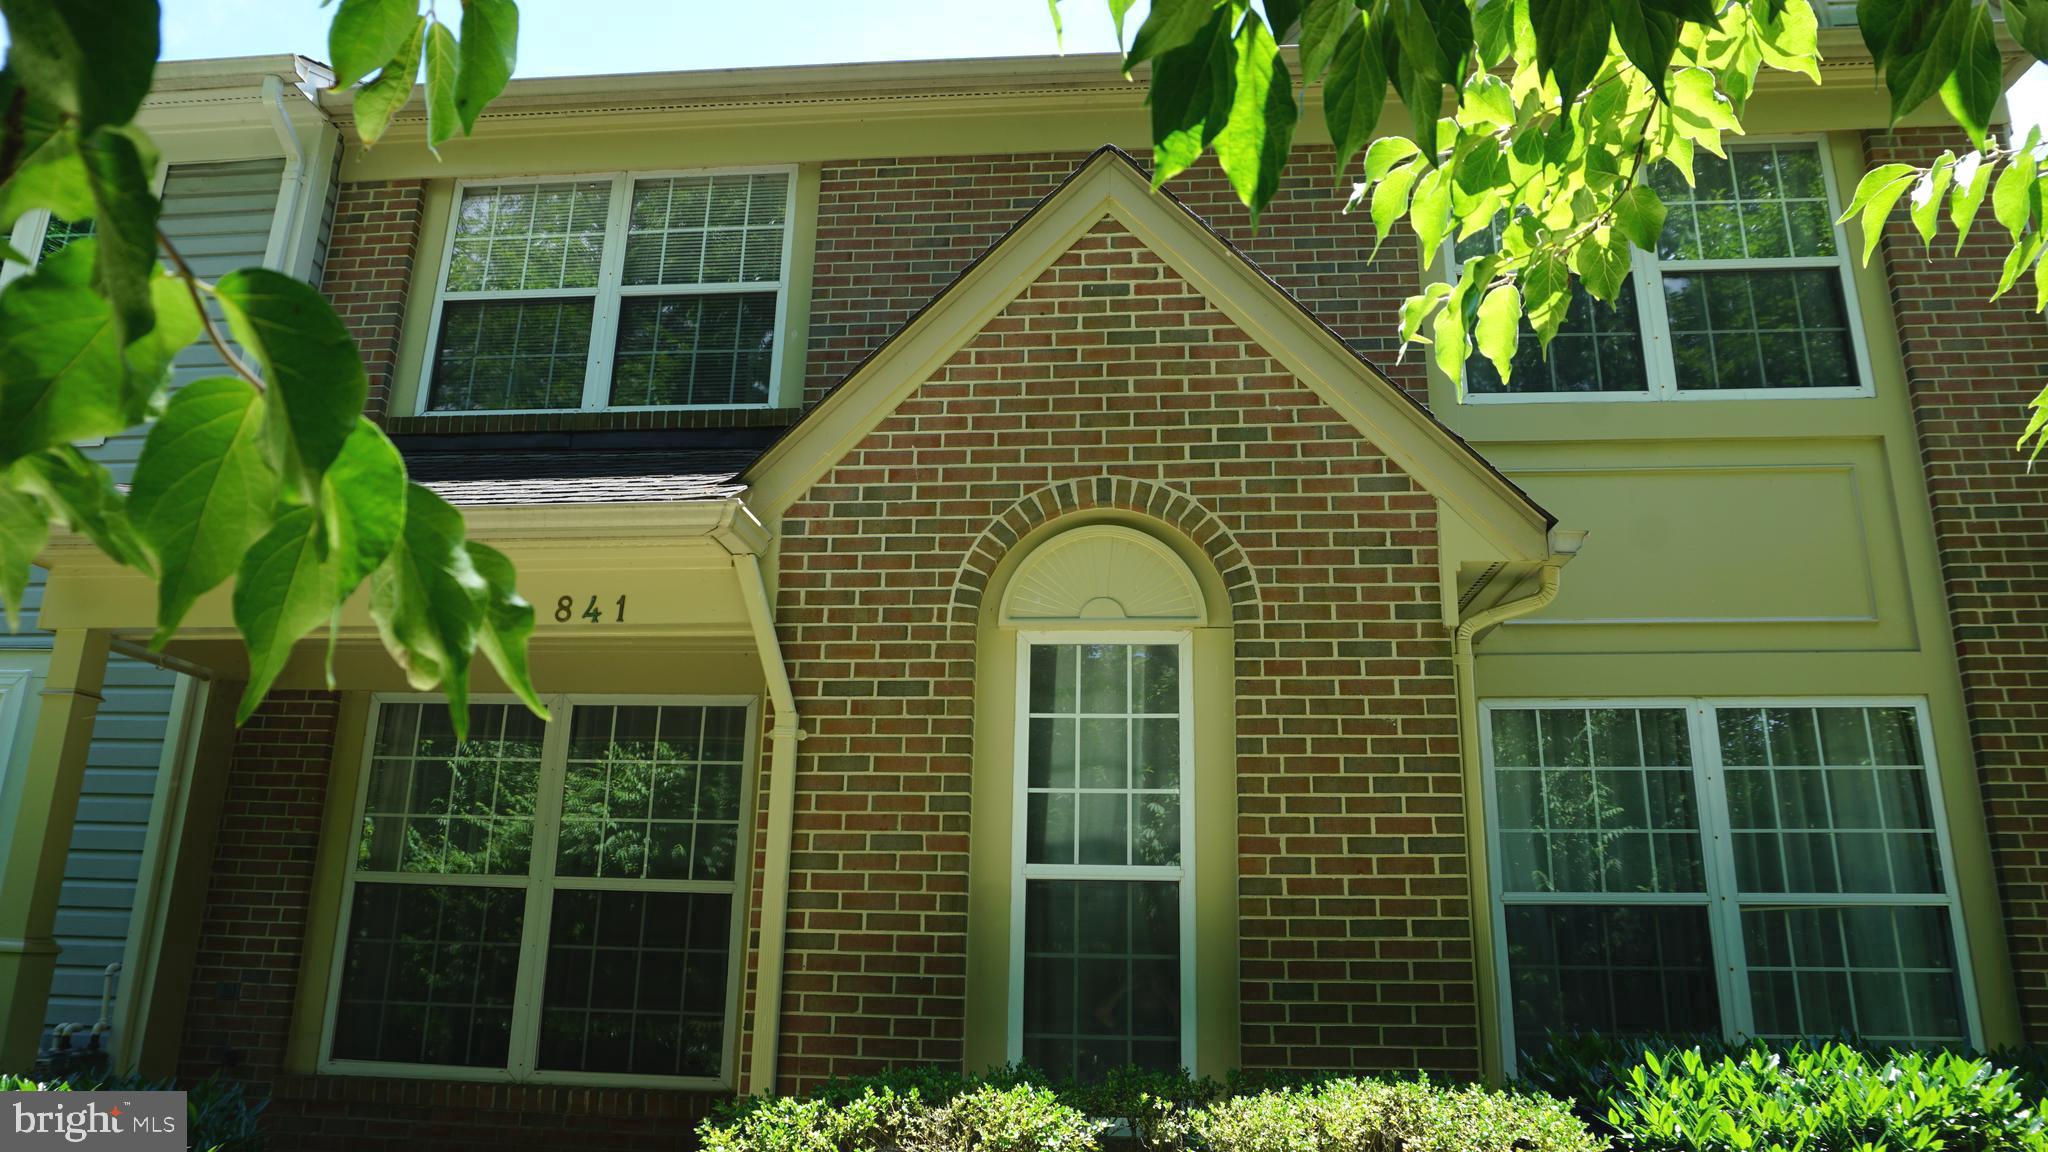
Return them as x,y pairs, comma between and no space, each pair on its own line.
1646,272
1183,873
609,290
540,886
1724,919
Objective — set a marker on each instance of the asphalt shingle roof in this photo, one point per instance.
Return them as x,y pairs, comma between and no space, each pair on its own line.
582,467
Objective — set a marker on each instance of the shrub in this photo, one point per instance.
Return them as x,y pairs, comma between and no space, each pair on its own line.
1021,1118
1392,1116
869,1121
1831,1098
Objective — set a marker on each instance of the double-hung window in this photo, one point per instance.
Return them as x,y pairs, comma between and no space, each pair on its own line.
1752,868
1102,960
1748,293
632,291
545,901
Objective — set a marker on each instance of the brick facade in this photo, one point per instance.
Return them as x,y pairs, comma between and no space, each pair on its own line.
893,232
1972,366
1110,381
369,271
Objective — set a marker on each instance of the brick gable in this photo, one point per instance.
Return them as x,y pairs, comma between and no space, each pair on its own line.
1111,381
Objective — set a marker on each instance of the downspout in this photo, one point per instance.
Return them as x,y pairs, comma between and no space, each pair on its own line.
1464,668
284,229
782,739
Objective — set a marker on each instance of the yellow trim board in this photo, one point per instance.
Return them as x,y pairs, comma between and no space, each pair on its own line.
1109,185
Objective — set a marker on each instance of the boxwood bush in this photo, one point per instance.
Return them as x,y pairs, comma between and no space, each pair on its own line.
1010,1110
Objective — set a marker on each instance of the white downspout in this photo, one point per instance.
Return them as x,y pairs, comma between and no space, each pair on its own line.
284,225
782,737
1464,670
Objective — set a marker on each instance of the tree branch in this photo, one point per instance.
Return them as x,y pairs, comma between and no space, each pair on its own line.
213,334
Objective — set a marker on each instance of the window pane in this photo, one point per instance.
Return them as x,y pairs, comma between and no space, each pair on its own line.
1784,328
1598,348
1596,800
428,975
510,237
1101,976
636,983
510,355
1102,757
725,229
1828,800
702,349
436,806
1628,970
1888,975
1762,201
60,232
652,792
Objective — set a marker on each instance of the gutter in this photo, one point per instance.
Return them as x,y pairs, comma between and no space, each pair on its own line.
1563,546
783,735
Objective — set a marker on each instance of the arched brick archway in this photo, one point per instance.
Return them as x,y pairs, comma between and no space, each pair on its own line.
1146,497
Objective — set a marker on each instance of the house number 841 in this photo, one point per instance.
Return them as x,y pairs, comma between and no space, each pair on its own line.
565,611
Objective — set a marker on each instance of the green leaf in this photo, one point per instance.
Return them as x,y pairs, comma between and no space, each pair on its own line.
1430,213
1355,93
1169,25
1193,91
1282,16
427,599
490,42
379,100
367,34
1571,41
1415,309
1323,26
24,529
1924,47
507,623
1699,106
1384,153
91,58
1390,201
443,67
1602,264
121,167
1423,95
64,375
39,162
2027,20
1971,92
284,589
203,491
1791,43
1927,195
1500,327
317,383
80,494
1639,214
1449,330
2015,193
2017,261
1648,38
364,503
1252,145
1546,294
1878,205
1493,24
1973,180
1704,12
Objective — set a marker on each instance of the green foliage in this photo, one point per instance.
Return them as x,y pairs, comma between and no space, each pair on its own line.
270,476
1833,1097
1012,1109
1559,112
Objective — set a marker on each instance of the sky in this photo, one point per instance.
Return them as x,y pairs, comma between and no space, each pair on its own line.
581,37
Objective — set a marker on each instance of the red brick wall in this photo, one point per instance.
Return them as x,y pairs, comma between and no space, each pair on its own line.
1111,382
892,232
369,269
1972,366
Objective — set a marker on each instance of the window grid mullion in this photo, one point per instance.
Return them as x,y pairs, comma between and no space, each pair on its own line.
1659,365
1731,960
540,897
604,325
